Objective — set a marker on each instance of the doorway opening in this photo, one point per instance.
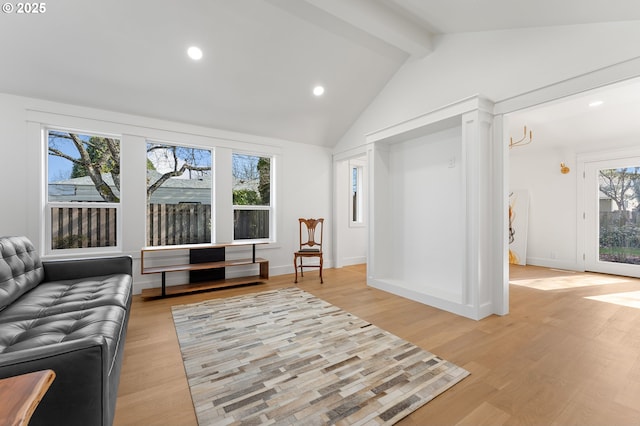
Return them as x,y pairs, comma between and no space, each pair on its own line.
351,203
575,219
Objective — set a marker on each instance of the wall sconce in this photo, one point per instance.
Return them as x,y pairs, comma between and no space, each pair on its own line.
564,169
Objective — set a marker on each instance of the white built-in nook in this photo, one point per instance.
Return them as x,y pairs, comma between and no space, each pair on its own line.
437,225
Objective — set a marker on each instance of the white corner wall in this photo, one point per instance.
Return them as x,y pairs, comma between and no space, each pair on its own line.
300,192
427,226
552,227
434,211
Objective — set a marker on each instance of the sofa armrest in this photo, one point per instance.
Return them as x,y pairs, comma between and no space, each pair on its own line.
67,269
79,395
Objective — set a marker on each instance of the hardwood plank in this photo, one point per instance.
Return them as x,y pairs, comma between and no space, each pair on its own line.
556,358
485,414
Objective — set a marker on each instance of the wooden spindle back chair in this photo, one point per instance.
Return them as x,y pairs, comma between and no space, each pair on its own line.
311,232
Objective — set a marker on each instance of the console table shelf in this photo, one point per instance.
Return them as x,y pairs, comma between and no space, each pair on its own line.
174,290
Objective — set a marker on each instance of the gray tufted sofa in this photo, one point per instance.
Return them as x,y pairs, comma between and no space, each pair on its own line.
69,316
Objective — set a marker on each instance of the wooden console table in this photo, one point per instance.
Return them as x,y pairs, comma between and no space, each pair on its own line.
20,396
174,290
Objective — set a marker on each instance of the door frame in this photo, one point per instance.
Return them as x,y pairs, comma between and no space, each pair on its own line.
341,203
587,211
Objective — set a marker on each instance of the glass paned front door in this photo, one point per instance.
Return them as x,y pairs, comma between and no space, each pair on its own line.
619,218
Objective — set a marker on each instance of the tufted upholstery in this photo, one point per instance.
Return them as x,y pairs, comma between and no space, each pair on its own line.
20,268
51,298
103,321
69,316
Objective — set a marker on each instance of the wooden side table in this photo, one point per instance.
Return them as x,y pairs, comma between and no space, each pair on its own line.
20,395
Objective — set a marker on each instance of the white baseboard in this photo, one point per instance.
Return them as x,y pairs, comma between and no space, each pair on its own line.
356,260
554,263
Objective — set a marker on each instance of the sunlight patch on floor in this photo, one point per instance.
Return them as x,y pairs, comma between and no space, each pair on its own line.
572,281
630,298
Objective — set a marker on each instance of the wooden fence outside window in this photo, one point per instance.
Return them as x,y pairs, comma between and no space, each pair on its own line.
167,224
83,227
173,224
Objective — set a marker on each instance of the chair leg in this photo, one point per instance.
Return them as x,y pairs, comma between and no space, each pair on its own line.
297,265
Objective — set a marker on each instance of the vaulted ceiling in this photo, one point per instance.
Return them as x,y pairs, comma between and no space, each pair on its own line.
261,57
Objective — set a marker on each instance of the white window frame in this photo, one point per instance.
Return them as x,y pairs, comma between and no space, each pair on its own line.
49,205
589,167
272,197
212,189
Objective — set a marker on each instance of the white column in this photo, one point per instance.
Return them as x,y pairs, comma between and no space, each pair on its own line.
223,196
480,258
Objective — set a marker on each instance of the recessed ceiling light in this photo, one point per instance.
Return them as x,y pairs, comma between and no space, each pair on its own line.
194,53
318,90
595,103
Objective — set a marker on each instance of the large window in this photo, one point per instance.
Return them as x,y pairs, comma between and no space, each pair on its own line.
178,195
252,204
83,190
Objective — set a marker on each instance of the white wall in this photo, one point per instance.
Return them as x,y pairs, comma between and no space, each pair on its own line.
552,205
427,209
14,170
301,190
351,239
495,64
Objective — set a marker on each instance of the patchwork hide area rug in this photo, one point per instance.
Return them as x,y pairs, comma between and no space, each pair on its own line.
286,357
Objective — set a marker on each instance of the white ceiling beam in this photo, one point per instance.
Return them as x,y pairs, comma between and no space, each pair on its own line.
381,22
339,27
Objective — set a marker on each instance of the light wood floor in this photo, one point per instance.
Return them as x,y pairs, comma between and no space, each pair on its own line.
557,358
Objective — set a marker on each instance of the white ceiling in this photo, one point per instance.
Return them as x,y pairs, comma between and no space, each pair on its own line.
261,57
572,125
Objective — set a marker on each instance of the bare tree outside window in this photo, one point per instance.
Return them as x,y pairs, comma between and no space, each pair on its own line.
83,193
178,195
